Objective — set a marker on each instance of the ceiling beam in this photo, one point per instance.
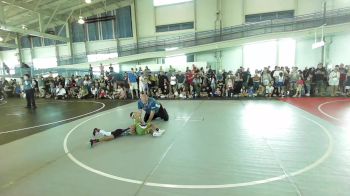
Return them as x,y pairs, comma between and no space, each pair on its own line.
33,8
9,28
7,45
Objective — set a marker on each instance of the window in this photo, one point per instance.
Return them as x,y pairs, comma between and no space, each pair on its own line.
36,41
25,42
61,31
78,32
168,2
123,23
269,16
107,27
92,30
175,27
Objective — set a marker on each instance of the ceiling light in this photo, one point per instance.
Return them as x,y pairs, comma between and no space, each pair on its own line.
81,20
1,39
88,1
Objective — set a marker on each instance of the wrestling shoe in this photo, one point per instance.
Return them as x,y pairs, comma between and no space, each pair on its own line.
158,133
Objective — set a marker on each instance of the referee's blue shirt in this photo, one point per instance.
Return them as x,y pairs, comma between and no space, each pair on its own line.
152,105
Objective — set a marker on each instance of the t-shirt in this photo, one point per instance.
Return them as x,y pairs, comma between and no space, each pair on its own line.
152,105
103,133
132,77
142,129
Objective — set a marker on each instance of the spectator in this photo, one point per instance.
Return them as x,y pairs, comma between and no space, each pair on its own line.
132,80
334,81
28,88
60,92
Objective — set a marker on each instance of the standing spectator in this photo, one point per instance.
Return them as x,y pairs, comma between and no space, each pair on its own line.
256,80
266,77
180,80
342,78
300,85
102,70
293,78
333,81
308,83
132,80
347,83
320,74
29,91
173,82
91,72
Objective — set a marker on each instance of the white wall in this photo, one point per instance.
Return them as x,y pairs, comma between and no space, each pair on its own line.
305,55
232,59
177,13
259,6
232,12
44,52
100,45
79,48
156,67
145,18
205,14
308,6
339,49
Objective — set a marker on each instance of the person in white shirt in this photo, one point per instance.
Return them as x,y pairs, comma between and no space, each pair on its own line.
269,90
60,92
333,81
173,82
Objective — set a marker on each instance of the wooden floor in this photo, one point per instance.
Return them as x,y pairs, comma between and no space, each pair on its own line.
237,147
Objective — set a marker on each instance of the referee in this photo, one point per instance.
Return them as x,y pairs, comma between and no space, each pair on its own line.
29,91
152,108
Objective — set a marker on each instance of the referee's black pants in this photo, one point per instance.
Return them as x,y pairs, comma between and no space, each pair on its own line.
162,113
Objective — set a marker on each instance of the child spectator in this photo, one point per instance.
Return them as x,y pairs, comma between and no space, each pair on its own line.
269,90
300,85
94,91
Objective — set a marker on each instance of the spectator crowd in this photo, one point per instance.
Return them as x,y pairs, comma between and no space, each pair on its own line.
193,83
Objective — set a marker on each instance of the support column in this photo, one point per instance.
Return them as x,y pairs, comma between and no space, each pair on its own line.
19,48
70,37
2,14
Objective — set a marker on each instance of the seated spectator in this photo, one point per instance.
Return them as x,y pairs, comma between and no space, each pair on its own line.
269,90
217,92
83,93
94,92
102,94
60,92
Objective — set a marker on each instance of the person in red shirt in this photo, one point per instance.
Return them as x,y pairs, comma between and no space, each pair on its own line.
189,80
300,85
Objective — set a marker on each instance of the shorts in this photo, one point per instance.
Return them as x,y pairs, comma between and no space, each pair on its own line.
133,86
117,133
280,84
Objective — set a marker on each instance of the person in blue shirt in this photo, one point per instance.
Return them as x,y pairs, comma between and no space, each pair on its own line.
132,80
153,109
29,91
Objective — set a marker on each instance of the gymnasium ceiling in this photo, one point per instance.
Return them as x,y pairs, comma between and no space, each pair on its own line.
40,15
